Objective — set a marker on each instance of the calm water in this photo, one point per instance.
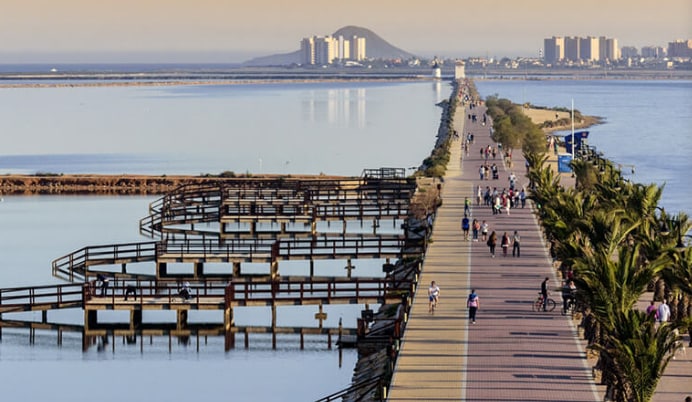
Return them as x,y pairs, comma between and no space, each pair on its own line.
648,124
273,128
335,128
277,128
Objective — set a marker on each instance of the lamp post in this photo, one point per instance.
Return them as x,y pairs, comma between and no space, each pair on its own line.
572,118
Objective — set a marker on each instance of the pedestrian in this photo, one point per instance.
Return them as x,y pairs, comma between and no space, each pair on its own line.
467,206
505,244
465,226
130,290
475,228
104,283
544,292
492,242
479,194
433,296
473,303
663,312
484,230
652,310
516,244
522,197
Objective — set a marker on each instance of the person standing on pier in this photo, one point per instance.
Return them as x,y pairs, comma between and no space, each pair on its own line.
473,303
104,283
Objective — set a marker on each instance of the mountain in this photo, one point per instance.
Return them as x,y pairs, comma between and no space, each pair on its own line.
375,48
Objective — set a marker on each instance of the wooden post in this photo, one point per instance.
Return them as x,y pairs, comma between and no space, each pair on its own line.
181,321
161,269
236,268
90,319
349,267
274,326
199,270
135,319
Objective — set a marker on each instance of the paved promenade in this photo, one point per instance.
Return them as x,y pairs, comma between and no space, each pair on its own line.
511,353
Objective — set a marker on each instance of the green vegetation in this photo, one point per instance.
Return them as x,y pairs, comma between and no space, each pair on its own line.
512,128
436,164
619,244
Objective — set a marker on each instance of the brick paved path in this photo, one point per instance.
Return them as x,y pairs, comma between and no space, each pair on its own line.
511,353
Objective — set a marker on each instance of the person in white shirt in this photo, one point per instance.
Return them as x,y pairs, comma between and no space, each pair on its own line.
433,296
663,312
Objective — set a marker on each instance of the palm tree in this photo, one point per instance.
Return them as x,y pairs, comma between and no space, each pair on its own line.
638,351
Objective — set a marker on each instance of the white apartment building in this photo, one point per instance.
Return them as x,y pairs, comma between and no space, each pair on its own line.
575,49
357,48
323,50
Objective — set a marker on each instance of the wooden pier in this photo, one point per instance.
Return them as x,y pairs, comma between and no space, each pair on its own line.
263,221
142,295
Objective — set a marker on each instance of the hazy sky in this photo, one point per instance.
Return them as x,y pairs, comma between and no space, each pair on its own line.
233,30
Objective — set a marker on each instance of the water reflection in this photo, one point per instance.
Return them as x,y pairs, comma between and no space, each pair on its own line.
437,89
340,106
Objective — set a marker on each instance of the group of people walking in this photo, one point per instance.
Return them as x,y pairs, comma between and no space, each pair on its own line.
506,242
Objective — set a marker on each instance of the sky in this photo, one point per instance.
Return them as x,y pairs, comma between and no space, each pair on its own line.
234,31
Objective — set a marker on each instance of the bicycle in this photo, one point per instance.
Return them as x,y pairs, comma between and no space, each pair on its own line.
571,305
538,304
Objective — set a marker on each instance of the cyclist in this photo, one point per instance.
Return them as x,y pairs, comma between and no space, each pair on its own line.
544,292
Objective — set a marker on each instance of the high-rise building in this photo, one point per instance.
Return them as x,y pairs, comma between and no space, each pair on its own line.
357,48
307,50
572,48
326,49
653,52
613,50
344,48
554,49
680,48
629,52
589,49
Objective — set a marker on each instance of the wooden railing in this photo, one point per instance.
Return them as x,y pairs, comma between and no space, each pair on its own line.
243,292
72,266
40,297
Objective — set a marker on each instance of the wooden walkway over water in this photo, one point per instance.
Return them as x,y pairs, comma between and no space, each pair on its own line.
511,353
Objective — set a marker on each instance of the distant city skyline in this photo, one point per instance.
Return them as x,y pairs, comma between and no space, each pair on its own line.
72,31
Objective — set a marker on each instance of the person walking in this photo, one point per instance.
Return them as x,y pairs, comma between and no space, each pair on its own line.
504,243
475,228
433,296
663,312
484,230
492,242
473,303
465,224
516,245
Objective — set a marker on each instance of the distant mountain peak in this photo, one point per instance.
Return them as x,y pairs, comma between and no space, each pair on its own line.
375,48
